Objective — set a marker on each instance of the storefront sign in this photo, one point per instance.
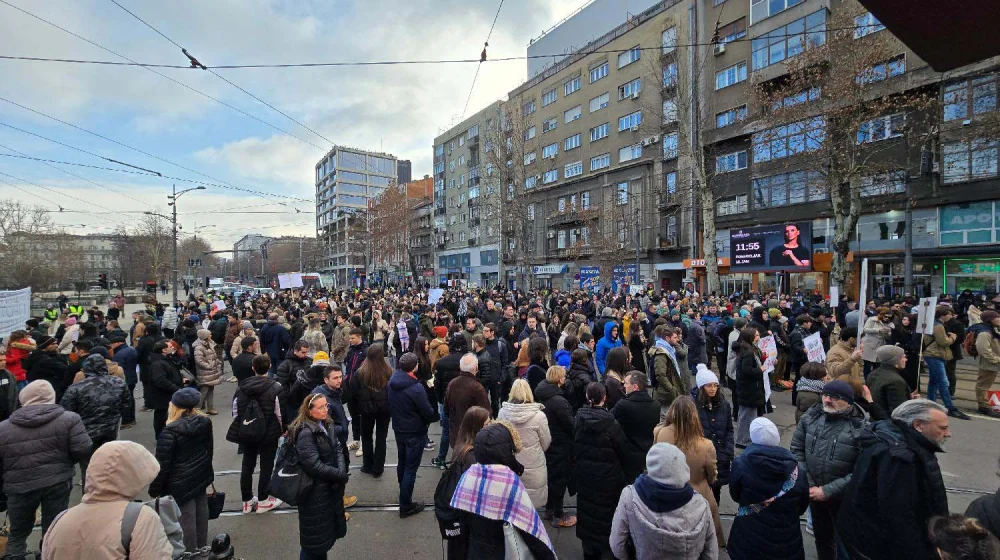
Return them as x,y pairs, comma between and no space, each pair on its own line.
700,263
978,267
590,278
777,247
549,269
814,348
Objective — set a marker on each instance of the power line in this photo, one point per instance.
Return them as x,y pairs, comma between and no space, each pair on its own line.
482,58
59,193
36,195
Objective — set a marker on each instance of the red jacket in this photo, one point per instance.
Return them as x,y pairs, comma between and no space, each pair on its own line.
16,354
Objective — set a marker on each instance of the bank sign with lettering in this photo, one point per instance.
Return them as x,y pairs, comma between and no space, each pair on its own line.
779,247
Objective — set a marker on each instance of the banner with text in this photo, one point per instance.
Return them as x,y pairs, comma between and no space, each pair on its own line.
15,309
590,278
814,348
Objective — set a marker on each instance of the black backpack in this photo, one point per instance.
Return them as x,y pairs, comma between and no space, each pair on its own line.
249,427
449,519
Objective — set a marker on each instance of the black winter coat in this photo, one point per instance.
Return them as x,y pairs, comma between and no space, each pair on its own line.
487,376
289,369
164,380
535,374
717,423
445,369
486,539
321,513
598,474
637,414
264,390
50,367
577,378
987,510
774,533
184,452
750,380
369,402
39,444
100,400
559,413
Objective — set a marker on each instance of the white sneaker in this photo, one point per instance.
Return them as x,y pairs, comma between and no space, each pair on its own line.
267,505
248,507
359,453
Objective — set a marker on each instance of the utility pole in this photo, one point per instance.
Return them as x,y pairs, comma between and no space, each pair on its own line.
173,204
300,254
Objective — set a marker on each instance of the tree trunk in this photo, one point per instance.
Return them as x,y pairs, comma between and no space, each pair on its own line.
707,202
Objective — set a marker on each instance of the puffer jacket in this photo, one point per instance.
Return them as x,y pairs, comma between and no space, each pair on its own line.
100,399
685,532
533,427
290,369
321,514
184,451
39,444
826,447
116,476
577,378
669,383
597,473
559,413
208,366
16,354
266,392
439,349
637,414
369,402
939,344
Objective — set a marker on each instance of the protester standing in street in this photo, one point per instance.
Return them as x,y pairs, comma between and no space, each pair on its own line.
937,351
208,368
370,399
411,414
265,392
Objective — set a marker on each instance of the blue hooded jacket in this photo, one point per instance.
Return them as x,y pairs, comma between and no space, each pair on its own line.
606,344
562,358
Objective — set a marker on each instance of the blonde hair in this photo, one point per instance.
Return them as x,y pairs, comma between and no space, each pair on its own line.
555,373
520,392
175,413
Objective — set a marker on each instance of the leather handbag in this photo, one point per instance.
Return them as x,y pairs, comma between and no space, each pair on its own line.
216,501
514,546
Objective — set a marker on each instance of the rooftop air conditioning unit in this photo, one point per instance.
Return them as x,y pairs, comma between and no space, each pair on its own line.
635,95
538,177
719,48
635,128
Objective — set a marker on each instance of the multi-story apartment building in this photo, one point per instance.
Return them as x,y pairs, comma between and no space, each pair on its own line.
465,212
390,217
345,179
936,187
422,242
597,147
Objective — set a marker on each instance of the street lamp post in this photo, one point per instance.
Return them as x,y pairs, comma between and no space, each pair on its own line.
173,221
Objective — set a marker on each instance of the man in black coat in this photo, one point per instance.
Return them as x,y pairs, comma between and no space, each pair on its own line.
45,362
896,478
637,414
164,380
446,369
559,455
411,414
243,364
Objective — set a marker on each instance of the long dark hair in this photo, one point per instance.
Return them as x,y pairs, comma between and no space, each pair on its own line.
746,341
538,350
617,361
422,357
375,371
473,421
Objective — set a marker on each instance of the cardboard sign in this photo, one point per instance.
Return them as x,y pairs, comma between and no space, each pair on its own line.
814,348
834,296
925,315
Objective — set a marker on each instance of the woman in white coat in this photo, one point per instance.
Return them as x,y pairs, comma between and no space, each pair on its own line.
527,417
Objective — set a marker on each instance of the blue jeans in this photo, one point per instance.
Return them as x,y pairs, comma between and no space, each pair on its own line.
409,451
938,382
445,439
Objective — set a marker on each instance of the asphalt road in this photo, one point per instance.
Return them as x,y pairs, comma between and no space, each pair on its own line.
375,530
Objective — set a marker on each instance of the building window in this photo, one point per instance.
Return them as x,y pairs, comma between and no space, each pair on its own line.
571,143
561,239
622,232
628,153
461,160
763,9
806,95
529,107
895,66
669,110
731,76
631,120
882,128
785,189
731,162
967,224
600,131
550,124
529,183
969,159
598,72
629,56
670,75
550,151
461,180
789,139
880,184
630,89
600,162
573,169
733,31
731,206
461,141
571,86
571,115
550,176
670,145
669,40
585,201
599,102
789,40
670,182
529,158
549,97
983,97
531,211
529,134
866,24
621,193
732,116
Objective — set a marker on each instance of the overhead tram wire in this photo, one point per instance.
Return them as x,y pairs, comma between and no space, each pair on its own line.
36,195
482,59
60,193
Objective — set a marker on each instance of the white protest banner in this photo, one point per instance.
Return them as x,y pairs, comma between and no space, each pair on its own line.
296,279
15,309
769,347
434,296
814,348
218,305
834,296
284,281
925,315
862,297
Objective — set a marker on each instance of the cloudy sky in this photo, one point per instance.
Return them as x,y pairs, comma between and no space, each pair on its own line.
397,109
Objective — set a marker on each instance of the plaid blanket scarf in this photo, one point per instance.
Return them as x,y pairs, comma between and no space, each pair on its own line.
495,492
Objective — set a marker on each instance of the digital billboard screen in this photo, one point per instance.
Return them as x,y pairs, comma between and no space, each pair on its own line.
778,247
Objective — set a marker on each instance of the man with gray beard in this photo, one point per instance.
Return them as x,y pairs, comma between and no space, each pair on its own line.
825,446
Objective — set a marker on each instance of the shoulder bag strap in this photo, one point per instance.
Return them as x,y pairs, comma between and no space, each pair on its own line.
128,525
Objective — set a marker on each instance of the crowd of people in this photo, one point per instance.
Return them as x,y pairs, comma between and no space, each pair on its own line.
611,398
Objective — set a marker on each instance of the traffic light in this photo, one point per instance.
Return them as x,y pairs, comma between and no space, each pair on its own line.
103,280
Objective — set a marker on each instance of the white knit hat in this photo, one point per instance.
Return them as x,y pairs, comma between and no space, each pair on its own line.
666,464
705,376
764,432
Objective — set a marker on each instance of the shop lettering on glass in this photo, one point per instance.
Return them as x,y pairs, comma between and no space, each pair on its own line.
977,268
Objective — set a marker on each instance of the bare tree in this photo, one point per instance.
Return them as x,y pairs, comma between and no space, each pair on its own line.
24,233
154,245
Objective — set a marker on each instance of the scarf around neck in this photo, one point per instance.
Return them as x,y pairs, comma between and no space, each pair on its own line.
662,498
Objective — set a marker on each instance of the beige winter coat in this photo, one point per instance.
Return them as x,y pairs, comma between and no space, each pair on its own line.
208,366
317,341
71,335
237,348
839,362
533,428
114,370
702,463
988,347
118,473
939,344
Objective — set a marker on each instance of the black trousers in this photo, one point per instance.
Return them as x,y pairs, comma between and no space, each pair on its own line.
128,415
266,450
373,452
824,515
355,421
557,493
159,421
